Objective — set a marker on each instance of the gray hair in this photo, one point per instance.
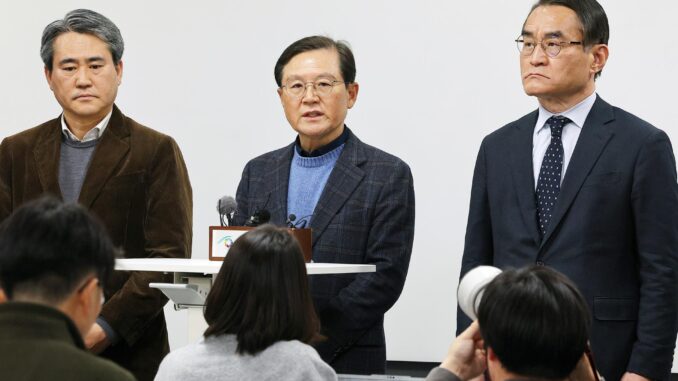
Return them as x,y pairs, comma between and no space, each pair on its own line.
82,21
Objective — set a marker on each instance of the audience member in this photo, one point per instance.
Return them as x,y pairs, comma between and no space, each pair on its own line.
54,260
260,317
533,324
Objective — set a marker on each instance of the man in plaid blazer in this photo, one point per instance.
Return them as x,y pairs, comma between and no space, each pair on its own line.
359,199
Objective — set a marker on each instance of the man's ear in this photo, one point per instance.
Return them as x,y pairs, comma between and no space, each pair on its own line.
599,53
3,297
491,355
353,89
90,296
118,69
280,95
48,77
84,306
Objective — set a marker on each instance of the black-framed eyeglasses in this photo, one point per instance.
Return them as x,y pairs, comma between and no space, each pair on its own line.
322,87
550,46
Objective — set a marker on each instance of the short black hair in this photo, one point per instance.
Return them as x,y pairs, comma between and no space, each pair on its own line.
47,248
306,44
596,28
261,293
536,322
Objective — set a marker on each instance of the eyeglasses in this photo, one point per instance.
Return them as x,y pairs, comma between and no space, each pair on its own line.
550,46
322,87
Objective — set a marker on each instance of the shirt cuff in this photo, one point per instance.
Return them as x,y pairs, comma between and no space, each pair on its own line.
111,335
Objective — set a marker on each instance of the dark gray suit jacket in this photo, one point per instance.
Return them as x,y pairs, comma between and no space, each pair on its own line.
365,215
614,230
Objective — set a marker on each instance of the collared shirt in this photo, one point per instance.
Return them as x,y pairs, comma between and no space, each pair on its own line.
542,134
324,149
93,134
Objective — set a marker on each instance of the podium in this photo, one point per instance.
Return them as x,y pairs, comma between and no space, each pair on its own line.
222,237
193,279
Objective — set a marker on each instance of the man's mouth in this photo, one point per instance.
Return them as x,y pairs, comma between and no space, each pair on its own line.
312,114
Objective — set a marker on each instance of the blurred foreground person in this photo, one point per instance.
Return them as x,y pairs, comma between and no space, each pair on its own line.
260,316
54,259
533,324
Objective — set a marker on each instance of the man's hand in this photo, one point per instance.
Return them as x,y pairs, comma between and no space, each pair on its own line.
628,376
96,340
466,356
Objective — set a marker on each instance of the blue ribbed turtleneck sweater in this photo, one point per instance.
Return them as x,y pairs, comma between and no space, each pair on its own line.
308,176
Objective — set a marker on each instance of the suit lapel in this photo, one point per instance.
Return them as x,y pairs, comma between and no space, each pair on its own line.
46,153
112,148
592,140
277,193
343,180
523,172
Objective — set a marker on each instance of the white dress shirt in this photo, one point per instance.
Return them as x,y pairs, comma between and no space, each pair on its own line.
542,134
93,134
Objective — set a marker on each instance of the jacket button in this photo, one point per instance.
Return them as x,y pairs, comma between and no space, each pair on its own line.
540,263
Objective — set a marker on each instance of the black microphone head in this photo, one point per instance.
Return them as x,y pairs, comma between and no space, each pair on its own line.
291,217
259,217
264,216
226,205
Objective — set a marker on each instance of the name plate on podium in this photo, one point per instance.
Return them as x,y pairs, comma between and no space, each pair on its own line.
223,237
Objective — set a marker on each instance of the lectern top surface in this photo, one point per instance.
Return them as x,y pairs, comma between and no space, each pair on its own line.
205,266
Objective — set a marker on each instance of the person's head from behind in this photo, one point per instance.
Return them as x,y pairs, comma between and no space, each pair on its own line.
56,254
261,292
535,324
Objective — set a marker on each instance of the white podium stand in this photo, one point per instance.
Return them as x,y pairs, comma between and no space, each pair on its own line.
193,280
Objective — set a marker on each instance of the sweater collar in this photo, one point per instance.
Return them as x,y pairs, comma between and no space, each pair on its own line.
324,149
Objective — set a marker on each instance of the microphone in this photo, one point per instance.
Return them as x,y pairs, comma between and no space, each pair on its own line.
472,287
226,206
294,223
259,217
290,220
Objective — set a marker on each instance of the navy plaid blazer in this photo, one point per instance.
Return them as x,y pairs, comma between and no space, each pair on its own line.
365,215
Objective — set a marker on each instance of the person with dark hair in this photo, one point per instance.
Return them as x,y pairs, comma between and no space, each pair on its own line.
54,259
358,200
585,188
533,324
260,317
131,177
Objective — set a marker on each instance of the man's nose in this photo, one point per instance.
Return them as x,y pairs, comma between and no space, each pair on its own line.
538,56
310,93
82,78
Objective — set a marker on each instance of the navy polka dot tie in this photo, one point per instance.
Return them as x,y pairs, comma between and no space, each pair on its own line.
548,184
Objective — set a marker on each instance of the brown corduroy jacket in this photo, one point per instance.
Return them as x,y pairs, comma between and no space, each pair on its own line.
138,186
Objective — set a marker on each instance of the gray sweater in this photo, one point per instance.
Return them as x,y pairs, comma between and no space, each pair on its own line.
215,359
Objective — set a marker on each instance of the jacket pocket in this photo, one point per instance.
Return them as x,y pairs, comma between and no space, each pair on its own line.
616,309
602,179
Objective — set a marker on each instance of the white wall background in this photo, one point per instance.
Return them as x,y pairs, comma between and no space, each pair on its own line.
435,76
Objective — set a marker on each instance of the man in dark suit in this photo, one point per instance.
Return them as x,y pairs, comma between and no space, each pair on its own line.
131,177
358,200
54,257
585,188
